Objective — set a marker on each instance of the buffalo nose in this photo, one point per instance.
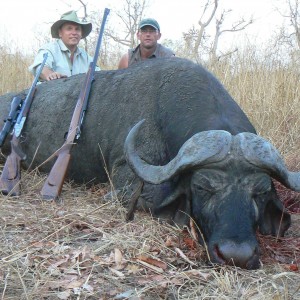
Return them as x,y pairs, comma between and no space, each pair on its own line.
244,255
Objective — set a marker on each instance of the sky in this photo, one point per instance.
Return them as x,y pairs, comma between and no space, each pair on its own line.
21,21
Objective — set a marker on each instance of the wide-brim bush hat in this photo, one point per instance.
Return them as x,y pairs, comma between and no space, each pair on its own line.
70,16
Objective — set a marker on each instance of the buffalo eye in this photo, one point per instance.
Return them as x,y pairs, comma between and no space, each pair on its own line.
203,184
262,187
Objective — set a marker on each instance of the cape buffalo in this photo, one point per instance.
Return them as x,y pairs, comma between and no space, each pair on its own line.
197,152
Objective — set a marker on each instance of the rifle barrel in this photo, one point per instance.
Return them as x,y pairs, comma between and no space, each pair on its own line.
11,119
11,173
28,100
55,180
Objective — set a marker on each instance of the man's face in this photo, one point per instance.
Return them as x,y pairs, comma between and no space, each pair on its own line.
70,33
148,36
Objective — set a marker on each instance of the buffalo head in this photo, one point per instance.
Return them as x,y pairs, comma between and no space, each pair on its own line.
227,183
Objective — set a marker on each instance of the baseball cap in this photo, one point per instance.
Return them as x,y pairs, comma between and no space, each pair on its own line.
149,22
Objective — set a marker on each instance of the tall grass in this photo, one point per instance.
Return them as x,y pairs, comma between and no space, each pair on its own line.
14,74
268,91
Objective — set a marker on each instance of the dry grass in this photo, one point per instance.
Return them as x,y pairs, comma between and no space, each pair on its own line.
82,248
269,94
14,72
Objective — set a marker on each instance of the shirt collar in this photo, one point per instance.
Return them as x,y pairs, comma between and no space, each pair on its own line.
137,51
63,47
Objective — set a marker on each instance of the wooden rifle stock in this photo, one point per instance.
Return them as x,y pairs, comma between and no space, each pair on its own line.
11,173
55,180
54,183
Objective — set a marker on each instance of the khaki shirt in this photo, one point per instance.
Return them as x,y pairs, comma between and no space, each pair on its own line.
134,55
59,59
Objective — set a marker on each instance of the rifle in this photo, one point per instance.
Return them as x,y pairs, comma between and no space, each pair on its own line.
11,173
55,180
9,122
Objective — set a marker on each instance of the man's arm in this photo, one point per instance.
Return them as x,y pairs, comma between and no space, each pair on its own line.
47,72
123,64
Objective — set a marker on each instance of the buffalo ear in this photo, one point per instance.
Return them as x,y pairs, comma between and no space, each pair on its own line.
176,206
274,220
180,210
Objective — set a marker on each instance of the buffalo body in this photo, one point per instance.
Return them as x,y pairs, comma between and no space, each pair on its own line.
229,197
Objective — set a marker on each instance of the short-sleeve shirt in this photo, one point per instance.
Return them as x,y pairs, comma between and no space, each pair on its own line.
59,59
134,55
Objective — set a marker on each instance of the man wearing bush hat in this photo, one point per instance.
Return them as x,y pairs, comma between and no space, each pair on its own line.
148,34
65,58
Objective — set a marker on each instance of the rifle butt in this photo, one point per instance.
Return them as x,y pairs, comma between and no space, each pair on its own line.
53,185
11,176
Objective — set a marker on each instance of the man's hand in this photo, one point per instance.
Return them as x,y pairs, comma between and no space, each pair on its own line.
48,74
55,75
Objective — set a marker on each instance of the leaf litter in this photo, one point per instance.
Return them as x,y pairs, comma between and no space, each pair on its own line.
83,248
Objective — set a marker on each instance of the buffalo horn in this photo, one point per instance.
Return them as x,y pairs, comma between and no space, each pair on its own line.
202,148
263,154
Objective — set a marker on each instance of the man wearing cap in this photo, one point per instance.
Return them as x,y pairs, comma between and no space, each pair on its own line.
65,58
148,34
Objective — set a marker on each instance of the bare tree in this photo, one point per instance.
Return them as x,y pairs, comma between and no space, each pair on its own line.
294,9
201,41
84,19
130,16
108,52
196,38
238,26
293,15
203,24
288,37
